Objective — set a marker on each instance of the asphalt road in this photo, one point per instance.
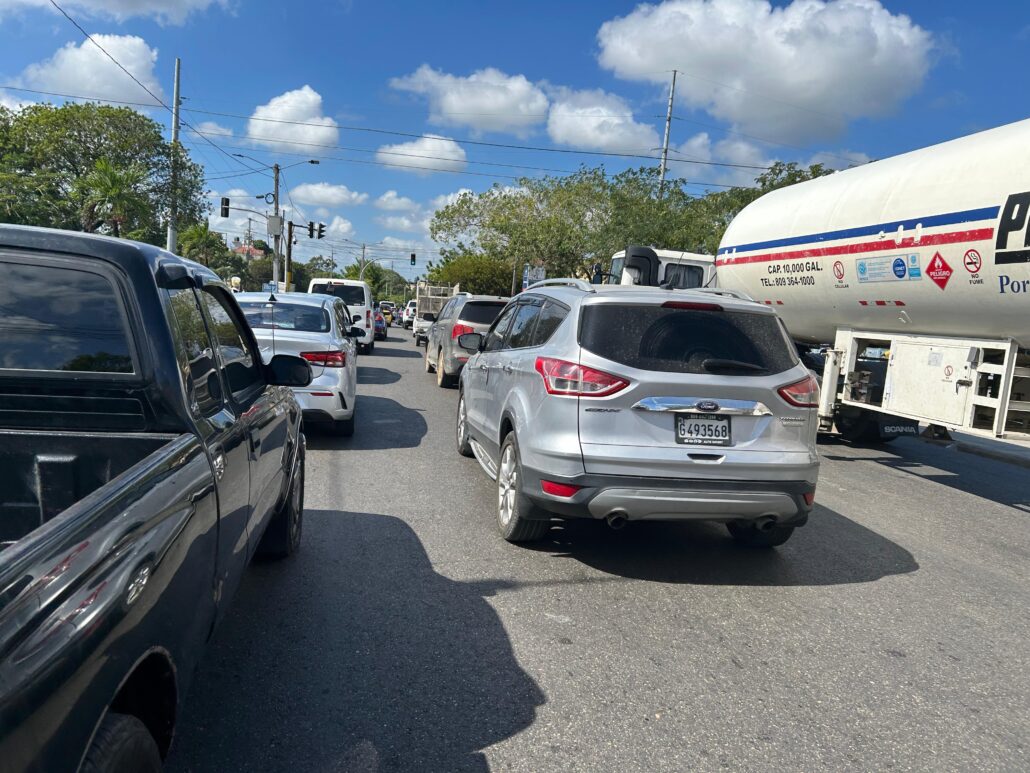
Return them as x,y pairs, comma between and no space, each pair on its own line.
890,633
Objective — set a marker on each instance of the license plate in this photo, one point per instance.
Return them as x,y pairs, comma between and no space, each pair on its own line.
703,429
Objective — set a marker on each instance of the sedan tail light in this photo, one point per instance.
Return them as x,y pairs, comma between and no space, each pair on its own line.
460,330
570,378
803,394
330,359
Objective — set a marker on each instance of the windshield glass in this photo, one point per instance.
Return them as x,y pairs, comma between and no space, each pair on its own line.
286,316
352,295
683,277
615,277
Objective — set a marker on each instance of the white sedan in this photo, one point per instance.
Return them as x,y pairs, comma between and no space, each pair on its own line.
319,329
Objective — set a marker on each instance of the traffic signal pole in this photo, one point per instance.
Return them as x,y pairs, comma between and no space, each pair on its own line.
173,209
288,268
278,237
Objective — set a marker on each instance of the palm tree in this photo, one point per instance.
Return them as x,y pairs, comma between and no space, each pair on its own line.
200,243
112,196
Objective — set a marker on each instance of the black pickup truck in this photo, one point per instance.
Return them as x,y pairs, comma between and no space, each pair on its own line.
146,454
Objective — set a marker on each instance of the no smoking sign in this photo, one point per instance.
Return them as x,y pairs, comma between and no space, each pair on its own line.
972,261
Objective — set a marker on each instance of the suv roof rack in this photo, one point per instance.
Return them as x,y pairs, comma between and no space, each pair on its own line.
579,284
723,291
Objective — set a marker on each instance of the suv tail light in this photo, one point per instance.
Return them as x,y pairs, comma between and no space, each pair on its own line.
692,306
569,378
803,394
558,489
330,359
368,317
460,330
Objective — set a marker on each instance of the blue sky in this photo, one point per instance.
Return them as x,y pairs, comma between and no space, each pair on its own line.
841,81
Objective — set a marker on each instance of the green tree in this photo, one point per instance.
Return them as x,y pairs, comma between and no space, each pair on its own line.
46,151
476,272
111,196
200,243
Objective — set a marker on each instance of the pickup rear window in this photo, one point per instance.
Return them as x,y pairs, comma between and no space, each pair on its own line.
57,318
729,343
286,316
481,312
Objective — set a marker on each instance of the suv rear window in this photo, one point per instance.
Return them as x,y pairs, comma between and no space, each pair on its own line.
481,312
674,340
56,318
286,316
352,295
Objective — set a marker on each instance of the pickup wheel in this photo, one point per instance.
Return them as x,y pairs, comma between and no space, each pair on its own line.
122,743
282,537
443,380
461,430
746,534
430,367
518,519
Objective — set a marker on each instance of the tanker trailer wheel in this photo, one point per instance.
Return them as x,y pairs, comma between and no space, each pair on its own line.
860,427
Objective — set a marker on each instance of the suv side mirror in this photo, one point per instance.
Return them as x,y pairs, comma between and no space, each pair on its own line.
288,370
356,332
471,342
429,316
356,318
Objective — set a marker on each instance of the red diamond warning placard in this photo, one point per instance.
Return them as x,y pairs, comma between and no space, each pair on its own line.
939,270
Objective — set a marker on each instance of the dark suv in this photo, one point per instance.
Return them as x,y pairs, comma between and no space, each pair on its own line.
464,313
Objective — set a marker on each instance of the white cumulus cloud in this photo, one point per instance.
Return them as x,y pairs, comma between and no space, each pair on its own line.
83,69
488,100
209,128
429,153
596,120
446,199
404,223
328,195
392,202
164,11
292,121
797,73
340,228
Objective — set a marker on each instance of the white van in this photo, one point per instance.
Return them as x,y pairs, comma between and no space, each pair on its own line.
358,297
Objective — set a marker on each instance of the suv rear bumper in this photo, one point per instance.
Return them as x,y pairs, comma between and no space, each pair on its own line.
671,499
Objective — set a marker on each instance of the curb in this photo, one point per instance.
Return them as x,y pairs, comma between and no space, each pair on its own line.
1018,459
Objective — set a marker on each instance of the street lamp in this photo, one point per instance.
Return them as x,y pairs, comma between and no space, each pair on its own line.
275,200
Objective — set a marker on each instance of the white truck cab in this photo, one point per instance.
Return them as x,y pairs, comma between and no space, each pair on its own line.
654,267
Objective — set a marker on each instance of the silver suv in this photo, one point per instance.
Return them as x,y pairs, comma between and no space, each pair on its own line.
464,313
624,403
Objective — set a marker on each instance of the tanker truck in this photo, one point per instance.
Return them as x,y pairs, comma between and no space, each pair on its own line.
913,275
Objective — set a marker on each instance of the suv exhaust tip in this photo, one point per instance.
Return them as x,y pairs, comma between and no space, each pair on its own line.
765,523
616,521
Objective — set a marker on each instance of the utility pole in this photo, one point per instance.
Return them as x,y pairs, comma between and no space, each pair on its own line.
665,144
289,255
173,211
277,237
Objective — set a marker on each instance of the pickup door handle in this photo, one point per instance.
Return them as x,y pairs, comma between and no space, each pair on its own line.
508,368
218,463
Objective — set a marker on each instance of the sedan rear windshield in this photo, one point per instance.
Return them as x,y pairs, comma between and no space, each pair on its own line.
286,316
481,312
352,295
687,340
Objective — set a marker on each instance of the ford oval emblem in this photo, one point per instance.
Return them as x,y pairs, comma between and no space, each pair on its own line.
707,406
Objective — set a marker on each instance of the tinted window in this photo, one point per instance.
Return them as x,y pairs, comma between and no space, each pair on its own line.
521,333
286,316
352,295
687,341
684,277
495,338
56,318
549,319
192,337
342,317
480,312
241,371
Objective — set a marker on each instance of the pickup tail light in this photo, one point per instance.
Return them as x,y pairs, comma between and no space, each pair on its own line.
802,394
460,330
569,378
330,359
558,489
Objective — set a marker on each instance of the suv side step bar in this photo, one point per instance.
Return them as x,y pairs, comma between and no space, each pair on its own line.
484,459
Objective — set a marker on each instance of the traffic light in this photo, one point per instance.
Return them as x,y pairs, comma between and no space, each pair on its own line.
321,230
311,229
413,258
224,212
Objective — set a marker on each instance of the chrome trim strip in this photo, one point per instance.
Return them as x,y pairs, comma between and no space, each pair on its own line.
689,405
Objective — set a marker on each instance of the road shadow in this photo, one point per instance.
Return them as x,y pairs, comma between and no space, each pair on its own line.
996,480
355,656
381,423
369,375
398,352
829,550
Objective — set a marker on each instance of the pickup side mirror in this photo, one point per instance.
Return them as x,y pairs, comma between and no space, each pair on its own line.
288,370
429,316
356,332
356,318
471,342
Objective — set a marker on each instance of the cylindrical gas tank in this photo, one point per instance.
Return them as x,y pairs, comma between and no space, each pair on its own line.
932,242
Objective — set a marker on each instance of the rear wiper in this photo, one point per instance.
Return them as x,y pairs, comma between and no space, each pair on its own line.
714,363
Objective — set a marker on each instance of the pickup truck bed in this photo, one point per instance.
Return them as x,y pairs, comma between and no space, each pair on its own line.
46,473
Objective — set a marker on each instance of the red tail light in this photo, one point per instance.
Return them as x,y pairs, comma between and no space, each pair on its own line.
327,359
368,317
803,394
692,306
558,489
460,330
809,498
569,378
